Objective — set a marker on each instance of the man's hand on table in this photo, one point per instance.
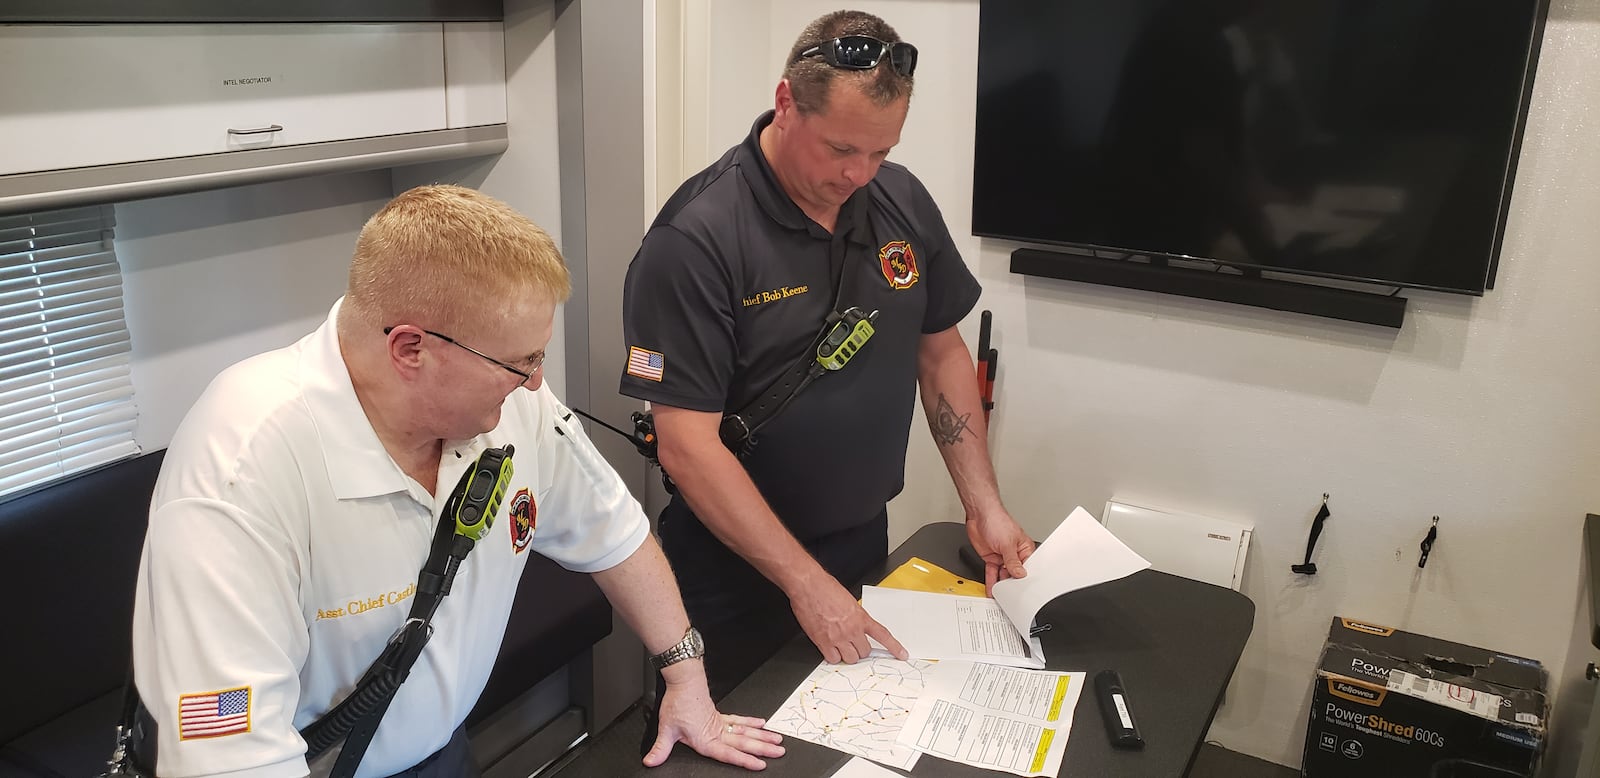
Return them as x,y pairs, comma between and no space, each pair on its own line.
689,716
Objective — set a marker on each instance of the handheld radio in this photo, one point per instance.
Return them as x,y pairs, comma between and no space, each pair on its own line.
846,337
477,497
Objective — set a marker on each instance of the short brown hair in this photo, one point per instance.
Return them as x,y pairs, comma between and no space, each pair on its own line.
811,79
436,253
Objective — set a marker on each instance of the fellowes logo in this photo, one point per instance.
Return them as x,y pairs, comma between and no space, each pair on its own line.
1215,536
1370,629
1356,692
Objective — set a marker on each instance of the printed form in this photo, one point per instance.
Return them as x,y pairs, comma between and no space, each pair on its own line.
948,626
999,718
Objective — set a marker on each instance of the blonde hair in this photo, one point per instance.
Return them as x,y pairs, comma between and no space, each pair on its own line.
436,254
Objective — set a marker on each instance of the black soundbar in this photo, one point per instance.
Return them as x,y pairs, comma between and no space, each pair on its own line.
1346,304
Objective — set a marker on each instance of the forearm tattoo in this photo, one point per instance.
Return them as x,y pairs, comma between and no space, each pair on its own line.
947,424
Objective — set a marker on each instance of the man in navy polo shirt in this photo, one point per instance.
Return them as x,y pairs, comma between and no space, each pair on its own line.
730,290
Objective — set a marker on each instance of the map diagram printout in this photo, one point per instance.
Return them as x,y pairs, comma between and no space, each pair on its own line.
857,709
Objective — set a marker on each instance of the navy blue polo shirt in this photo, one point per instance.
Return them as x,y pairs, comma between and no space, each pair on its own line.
732,285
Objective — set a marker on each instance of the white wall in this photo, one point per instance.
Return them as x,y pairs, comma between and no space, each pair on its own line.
1478,410
730,64
213,277
527,175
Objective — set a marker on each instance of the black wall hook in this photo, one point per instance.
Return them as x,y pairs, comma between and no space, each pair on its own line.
1309,567
1427,542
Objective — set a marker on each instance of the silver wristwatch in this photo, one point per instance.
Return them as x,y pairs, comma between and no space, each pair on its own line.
689,647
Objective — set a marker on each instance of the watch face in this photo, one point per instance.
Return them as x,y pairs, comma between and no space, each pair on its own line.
697,644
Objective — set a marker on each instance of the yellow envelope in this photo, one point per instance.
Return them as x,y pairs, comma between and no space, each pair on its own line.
920,575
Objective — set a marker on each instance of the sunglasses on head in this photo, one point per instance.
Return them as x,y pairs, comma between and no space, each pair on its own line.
859,52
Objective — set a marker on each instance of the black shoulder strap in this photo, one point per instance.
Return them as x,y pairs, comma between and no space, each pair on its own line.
738,429
356,718
852,221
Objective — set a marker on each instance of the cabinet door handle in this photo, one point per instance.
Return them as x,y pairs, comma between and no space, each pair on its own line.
256,130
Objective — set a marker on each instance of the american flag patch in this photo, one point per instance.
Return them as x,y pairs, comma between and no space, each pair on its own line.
214,714
644,363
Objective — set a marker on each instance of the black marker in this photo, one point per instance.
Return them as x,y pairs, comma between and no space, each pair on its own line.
1114,709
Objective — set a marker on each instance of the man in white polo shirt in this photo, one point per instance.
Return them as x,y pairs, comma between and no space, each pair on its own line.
299,498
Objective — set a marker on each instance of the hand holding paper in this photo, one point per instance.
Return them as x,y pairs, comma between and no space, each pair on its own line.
1078,554
1001,544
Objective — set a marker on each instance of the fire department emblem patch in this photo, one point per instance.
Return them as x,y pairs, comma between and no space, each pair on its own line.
899,264
524,517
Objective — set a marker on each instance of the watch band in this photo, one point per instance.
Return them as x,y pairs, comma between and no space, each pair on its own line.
691,646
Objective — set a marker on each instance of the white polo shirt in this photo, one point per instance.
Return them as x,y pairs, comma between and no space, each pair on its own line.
283,552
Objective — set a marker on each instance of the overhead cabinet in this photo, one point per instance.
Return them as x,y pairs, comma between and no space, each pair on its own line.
82,96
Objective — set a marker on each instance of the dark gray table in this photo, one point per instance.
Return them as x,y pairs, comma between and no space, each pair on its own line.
1175,642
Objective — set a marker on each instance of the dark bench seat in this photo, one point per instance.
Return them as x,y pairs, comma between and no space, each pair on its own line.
70,556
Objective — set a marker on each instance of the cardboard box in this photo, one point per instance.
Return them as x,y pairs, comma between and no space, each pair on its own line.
1393,703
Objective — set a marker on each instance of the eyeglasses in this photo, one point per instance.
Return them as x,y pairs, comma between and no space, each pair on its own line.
860,52
525,375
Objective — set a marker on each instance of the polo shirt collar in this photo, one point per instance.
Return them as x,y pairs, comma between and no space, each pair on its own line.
780,207
357,463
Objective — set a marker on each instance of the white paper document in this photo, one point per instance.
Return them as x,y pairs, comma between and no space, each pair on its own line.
977,701
999,718
857,709
949,626
861,768
1080,553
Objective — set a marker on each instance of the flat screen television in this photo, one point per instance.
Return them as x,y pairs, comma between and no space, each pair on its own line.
1371,140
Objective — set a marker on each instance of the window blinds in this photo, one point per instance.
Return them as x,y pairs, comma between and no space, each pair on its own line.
66,395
